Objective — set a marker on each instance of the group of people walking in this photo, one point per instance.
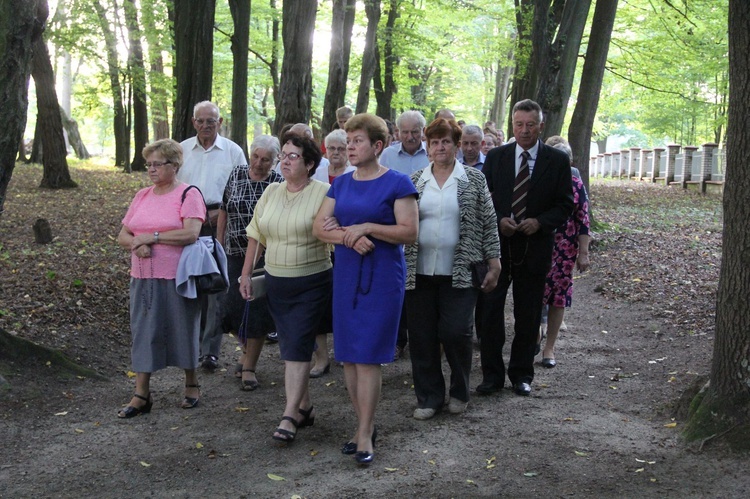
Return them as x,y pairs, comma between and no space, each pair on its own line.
417,242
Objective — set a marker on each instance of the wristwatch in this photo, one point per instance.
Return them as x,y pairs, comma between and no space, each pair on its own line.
156,237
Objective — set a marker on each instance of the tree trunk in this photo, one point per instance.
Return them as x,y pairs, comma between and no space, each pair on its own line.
384,95
36,144
372,9
336,87
138,85
555,87
582,123
725,407
274,68
295,89
120,126
194,43
20,24
240,49
159,84
74,136
56,174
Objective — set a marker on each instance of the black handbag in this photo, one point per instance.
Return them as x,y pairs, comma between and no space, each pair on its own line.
208,284
478,273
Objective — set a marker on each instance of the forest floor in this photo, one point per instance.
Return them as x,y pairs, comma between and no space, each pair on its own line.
606,422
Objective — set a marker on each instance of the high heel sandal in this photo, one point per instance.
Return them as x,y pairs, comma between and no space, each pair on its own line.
248,385
286,436
308,420
131,412
351,447
190,402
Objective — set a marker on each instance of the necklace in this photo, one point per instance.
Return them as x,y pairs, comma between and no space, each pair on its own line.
291,198
357,176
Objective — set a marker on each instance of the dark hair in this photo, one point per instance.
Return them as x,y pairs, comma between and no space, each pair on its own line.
442,127
528,105
310,151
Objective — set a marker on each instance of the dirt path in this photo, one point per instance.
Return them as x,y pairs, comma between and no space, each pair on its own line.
579,434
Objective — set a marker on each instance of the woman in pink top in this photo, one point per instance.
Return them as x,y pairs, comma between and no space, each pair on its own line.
165,326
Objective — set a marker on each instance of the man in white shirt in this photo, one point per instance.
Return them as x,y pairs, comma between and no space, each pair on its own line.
208,161
410,154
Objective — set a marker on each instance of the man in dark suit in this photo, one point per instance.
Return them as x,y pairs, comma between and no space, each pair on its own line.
533,195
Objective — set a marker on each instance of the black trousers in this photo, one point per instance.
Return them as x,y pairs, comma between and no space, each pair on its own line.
528,292
440,314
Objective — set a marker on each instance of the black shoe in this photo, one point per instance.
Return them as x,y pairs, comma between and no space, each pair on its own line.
272,337
210,362
364,458
308,419
522,388
351,447
488,388
548,363
131,412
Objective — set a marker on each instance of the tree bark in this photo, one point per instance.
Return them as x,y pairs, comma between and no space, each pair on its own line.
725,406
582,123
55,172
336,87
20,24
194,42
384,93
295,89
240,49
74,136
159,85
372,9
138,85
119,123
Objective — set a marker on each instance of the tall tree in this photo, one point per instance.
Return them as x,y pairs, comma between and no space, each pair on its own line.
119,120
137,75
55,172
724,407
295,89
369,57
159,85
582,123
336,88
240,49
384,91
20,24
549,37
193,44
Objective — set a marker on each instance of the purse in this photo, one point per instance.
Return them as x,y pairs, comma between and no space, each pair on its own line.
258,278
208,284
478,273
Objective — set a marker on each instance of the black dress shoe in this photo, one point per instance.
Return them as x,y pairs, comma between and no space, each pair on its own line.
522,388
364,457
487,388
548,363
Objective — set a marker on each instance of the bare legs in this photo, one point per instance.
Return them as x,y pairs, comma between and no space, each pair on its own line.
320,356
296,385
554,320
363,383
142,381
253,348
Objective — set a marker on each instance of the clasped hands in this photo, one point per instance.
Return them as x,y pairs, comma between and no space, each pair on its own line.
527,226
141,245
355,236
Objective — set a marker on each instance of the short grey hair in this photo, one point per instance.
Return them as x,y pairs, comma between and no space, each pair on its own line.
413,116
564,147
206,103
337,135
473,130
268,142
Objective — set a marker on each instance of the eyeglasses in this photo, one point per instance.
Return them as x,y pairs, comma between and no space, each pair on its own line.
293,156
156,164
336,149
209,121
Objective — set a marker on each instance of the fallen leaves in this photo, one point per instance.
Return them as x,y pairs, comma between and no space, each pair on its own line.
275,478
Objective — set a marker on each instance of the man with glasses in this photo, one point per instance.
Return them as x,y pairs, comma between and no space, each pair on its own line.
208,161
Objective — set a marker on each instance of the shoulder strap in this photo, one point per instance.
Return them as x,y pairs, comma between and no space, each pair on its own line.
184,193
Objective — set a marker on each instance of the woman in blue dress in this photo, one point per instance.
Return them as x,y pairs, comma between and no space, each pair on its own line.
369,215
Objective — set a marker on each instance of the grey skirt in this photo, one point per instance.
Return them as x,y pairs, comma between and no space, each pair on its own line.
164,325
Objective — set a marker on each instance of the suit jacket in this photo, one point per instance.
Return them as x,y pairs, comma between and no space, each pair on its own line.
549,200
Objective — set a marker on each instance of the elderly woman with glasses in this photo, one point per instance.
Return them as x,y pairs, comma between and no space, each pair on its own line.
298,272
243,190
165,326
